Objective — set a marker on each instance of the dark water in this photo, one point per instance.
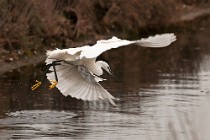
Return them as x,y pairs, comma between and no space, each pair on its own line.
164,94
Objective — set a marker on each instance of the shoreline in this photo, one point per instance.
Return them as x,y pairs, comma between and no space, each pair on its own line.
39,58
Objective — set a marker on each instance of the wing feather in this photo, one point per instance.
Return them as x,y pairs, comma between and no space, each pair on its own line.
90,94
79,84
85,93
106,95
101,46
157,41
78,94
64,86
95,94
100,95
72,87
103,94
70,54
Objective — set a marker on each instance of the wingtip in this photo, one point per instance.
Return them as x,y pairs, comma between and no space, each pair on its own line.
157,41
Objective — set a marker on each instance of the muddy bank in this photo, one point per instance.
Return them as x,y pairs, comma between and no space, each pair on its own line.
29,28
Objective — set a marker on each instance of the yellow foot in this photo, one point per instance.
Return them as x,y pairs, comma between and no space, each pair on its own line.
53,84
35,86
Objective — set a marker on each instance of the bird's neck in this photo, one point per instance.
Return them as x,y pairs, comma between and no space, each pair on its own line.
94,67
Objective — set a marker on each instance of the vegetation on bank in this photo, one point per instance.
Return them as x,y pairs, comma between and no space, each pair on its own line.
30,27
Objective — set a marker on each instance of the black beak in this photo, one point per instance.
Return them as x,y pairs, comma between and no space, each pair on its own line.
112,74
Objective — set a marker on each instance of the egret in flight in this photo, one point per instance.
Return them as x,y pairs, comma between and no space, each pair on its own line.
76,72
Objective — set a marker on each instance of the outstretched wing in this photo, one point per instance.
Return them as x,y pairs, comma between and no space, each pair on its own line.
77,81
101,46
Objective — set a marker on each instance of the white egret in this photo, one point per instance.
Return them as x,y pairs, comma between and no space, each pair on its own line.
76,71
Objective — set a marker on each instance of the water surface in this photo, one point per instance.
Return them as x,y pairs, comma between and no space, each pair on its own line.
163,94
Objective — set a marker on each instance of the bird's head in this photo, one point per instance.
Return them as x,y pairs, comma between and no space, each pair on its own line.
104,65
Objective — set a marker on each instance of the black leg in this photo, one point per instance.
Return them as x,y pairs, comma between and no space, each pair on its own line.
54,82
54,69
46,71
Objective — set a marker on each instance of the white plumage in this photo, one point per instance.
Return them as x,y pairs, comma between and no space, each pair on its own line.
78,71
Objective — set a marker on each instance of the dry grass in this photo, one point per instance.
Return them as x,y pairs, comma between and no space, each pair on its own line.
30,27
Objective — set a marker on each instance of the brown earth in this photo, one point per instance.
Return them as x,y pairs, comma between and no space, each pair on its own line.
28,28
